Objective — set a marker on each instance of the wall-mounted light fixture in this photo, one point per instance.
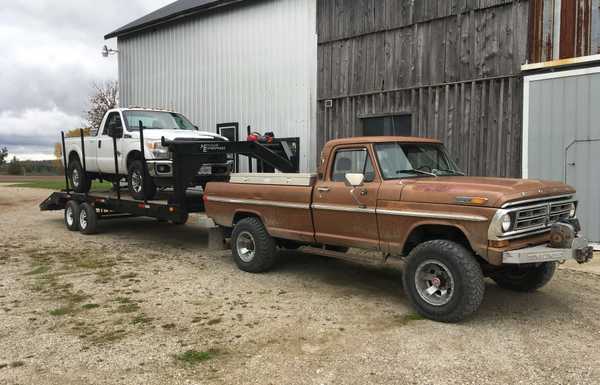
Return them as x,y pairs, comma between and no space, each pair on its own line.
106,52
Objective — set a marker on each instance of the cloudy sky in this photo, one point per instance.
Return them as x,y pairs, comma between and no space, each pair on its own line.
50,59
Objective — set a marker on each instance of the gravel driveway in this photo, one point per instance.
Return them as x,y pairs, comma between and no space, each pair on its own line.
144,303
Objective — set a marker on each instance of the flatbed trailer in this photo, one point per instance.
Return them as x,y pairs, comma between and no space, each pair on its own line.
83,210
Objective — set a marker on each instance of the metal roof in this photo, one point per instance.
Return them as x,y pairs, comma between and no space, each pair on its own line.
169,13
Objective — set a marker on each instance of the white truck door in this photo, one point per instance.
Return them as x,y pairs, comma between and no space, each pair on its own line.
106,159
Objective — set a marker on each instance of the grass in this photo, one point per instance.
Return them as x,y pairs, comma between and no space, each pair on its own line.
54,184
39,270
88,306
406,318
141,319
194,357
60,311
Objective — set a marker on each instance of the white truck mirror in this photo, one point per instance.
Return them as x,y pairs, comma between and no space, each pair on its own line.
355,180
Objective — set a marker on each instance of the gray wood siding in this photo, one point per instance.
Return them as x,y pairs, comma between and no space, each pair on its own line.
454,65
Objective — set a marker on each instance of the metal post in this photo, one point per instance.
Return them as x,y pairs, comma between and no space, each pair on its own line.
118,181
64,153
249,157
85,175
144,166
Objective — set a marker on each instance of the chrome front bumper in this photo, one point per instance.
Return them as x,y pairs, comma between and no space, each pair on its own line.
579,251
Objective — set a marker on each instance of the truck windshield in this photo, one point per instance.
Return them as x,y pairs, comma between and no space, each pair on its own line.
156,120
410,160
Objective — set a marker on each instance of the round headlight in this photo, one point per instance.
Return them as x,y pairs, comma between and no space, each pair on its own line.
506,222
573,210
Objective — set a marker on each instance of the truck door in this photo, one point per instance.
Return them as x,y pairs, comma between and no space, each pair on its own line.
106,158
341,218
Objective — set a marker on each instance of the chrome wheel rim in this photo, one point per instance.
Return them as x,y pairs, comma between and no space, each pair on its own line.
83,219
75,177
246,247
434,282
136,181
69,216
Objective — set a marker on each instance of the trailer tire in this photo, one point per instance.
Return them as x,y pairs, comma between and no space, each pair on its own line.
527,279
79,180
135,180
72,216
443,281
254,250
88,219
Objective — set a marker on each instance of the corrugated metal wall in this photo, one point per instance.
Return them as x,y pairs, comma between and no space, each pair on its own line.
255,64
560,108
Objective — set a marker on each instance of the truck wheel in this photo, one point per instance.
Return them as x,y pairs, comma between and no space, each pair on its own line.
135,178
80,182
72,216
443,281
88,219
254,250
525,279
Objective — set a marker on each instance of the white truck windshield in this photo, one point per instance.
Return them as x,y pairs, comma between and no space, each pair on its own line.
156,120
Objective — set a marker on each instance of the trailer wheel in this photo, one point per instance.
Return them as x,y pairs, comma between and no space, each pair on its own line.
80,181
88,219
254,250
525,279
72,216
443,281
136,178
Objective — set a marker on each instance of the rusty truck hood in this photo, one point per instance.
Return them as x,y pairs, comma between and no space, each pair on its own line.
498,191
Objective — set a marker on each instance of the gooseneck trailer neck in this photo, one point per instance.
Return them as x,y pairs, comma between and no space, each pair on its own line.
188,156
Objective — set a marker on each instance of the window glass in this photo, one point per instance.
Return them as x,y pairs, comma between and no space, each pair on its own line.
156,120
352,162
113,120
401,160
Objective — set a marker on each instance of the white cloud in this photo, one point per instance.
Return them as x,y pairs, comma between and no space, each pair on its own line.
50,58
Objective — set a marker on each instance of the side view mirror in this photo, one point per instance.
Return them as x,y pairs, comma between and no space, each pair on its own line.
115,132
355,180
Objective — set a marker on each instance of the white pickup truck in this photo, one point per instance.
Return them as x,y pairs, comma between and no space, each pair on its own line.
99,152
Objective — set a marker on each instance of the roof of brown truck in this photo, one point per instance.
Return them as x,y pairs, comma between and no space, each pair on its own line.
381,139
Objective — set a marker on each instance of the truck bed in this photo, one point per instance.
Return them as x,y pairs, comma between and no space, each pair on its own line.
282,201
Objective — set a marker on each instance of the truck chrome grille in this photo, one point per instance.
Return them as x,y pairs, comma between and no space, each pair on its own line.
541,215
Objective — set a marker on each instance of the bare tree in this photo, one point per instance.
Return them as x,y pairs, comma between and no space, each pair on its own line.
3,155
105,97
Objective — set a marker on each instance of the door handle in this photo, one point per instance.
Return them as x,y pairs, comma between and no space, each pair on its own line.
323,189
99,144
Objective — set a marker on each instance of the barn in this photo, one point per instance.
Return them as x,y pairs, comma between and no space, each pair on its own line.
509,85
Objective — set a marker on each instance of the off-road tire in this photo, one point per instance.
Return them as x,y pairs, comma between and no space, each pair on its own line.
265,246
525,279
72,216
149,190
83,184
468,278
90,225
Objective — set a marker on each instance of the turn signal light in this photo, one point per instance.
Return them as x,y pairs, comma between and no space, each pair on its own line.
472,200
499,244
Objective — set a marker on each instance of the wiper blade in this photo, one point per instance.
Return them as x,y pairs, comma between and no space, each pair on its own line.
454,172
413,171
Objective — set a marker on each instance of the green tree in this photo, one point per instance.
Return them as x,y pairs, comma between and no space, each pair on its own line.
3,155
15,167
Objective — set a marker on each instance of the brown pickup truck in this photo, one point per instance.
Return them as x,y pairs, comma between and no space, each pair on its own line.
403,197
